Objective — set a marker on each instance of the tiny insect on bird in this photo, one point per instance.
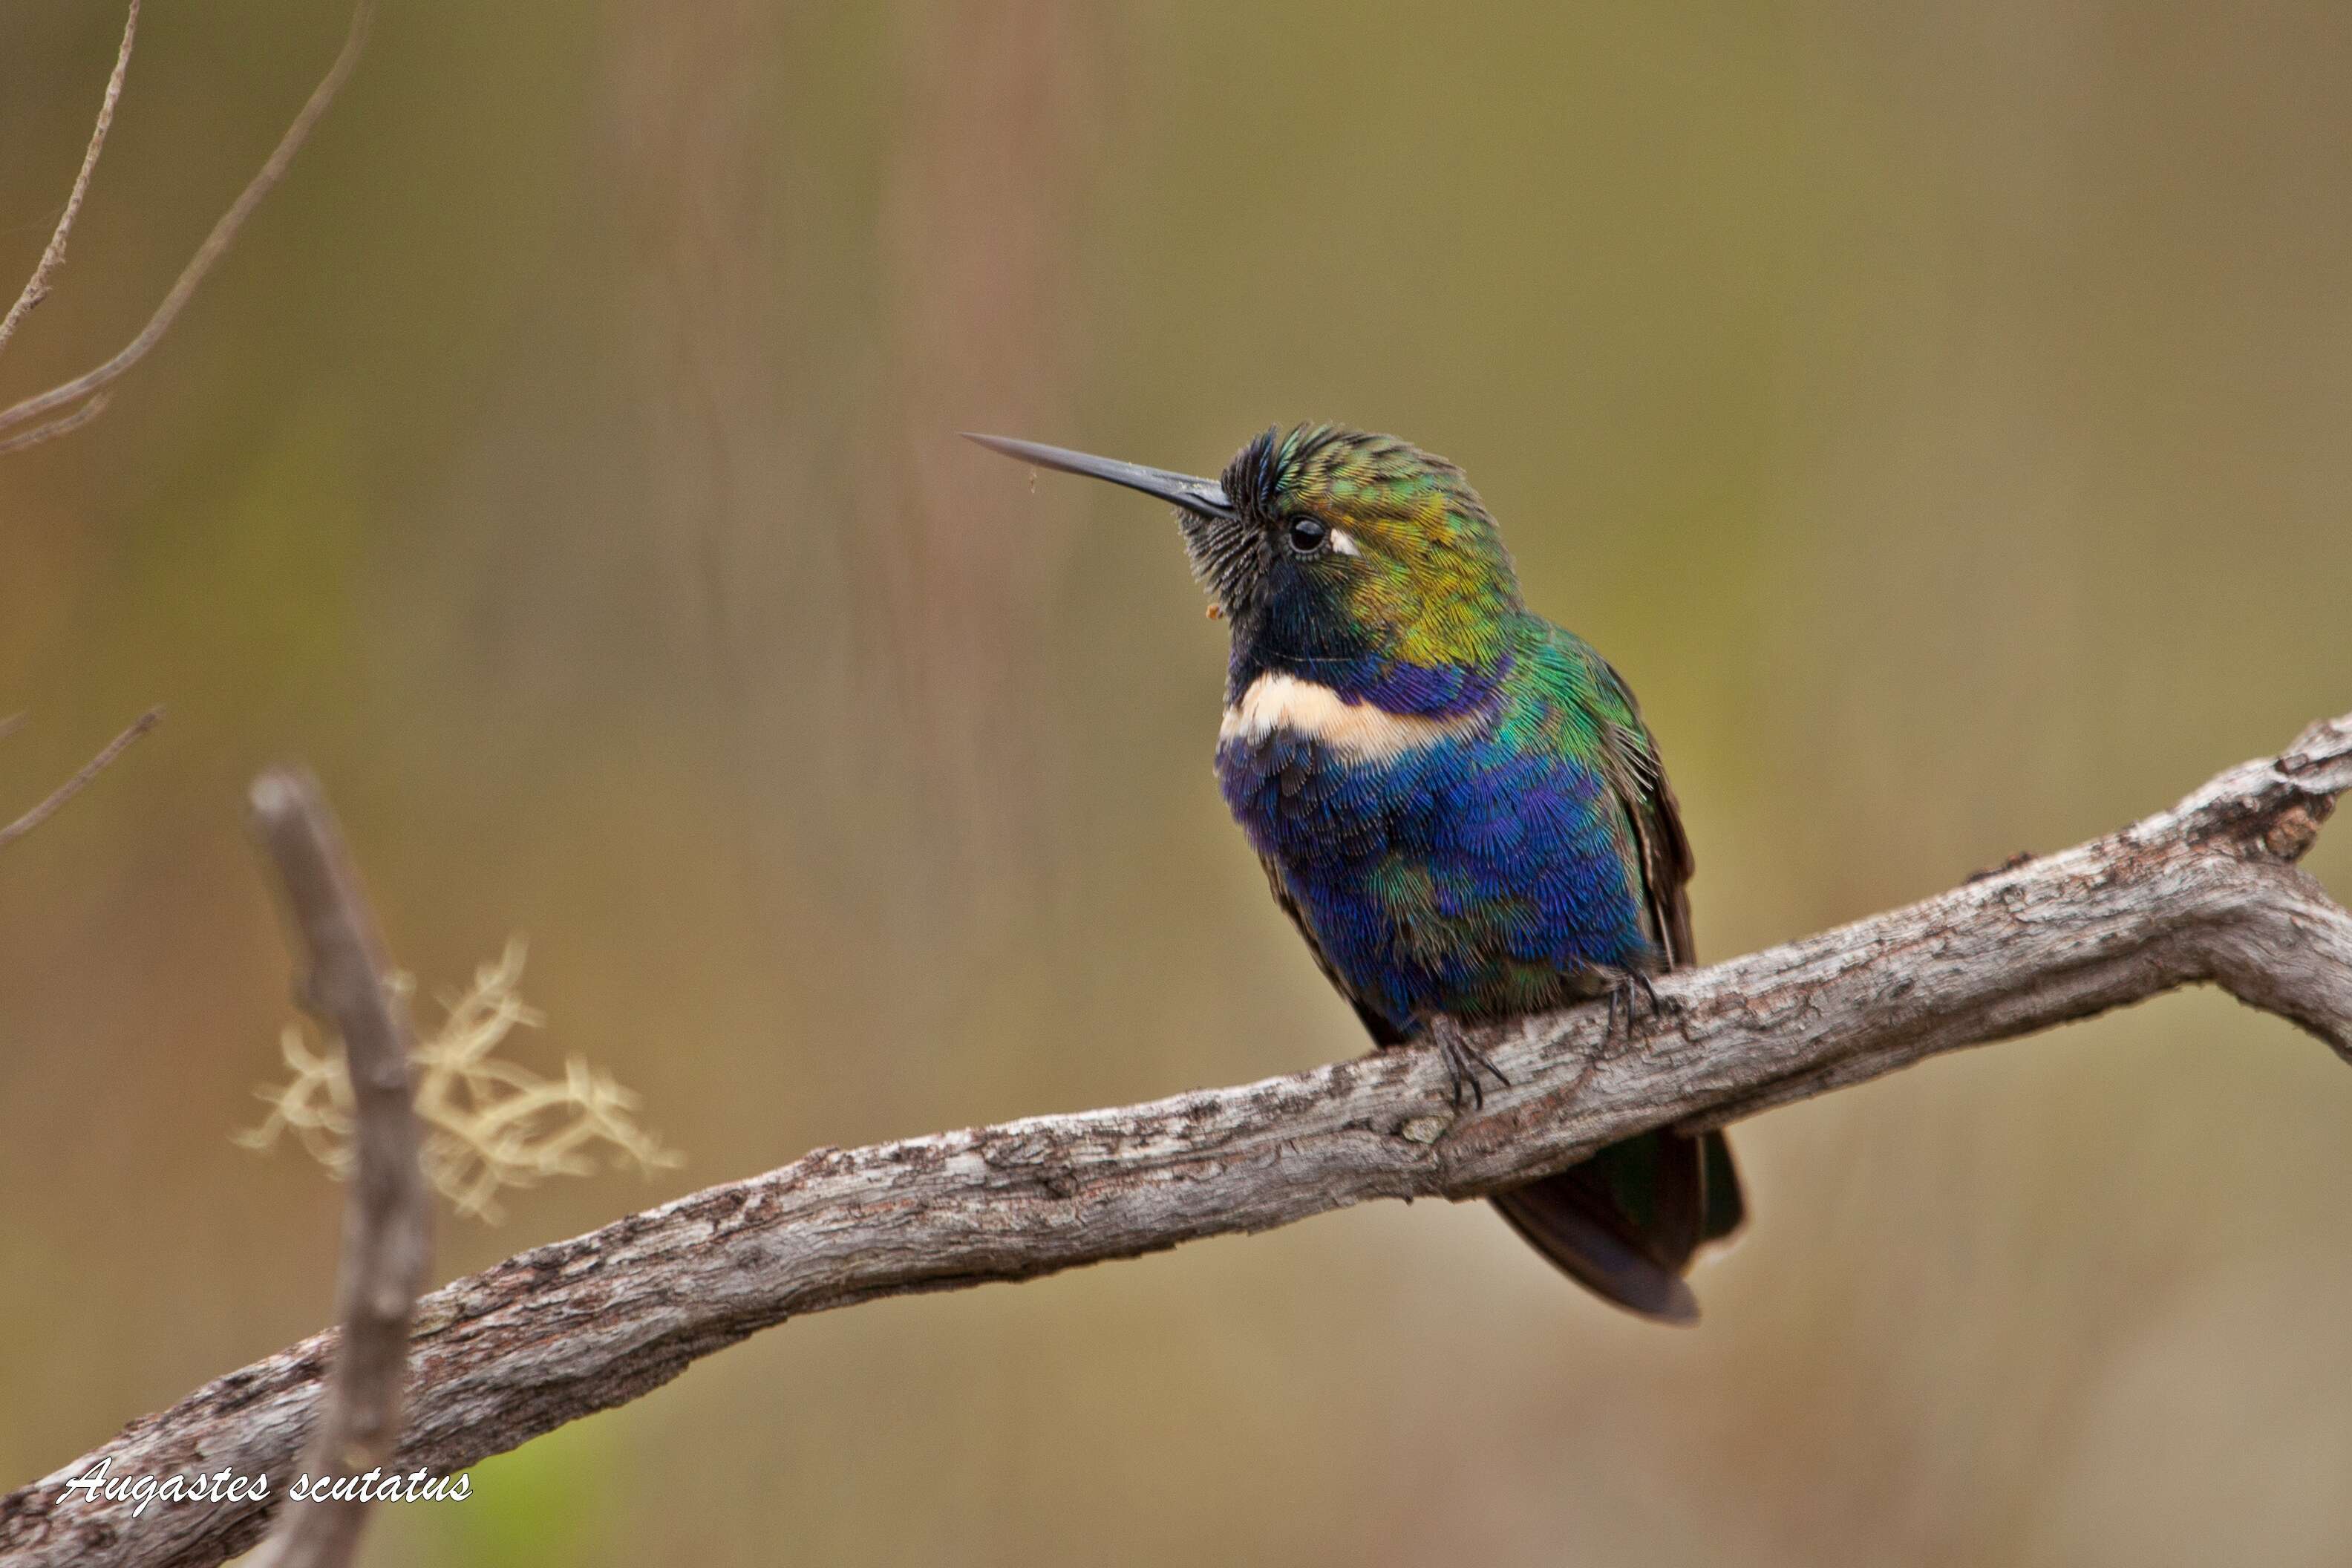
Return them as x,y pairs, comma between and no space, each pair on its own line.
1456,802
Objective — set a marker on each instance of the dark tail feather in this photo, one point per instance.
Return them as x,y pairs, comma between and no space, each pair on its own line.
1726,1206
1626,1222
1552,1216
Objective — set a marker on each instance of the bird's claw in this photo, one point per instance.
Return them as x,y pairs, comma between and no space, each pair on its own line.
1631,992
1464,1063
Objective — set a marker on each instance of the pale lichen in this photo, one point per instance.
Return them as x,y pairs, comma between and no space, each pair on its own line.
489,1124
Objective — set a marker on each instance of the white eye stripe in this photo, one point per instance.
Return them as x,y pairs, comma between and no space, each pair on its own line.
1343,542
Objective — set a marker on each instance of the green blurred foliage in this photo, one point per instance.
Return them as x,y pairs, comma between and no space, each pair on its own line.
1936,412
552,1500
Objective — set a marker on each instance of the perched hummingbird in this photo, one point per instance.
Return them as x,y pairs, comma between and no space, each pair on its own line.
1455,800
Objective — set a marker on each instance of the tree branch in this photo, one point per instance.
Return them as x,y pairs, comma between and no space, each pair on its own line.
2206,892
81,781
37,418
386,1220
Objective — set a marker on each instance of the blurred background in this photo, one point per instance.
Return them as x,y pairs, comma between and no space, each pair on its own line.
1937,412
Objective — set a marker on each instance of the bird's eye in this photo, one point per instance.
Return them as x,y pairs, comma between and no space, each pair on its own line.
1308,535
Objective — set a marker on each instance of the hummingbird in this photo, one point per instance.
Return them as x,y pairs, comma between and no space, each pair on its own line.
1455,801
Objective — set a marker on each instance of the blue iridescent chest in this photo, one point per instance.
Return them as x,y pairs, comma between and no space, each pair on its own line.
1437,867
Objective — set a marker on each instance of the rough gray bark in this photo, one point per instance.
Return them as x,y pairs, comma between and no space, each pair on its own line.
2207,891
345,982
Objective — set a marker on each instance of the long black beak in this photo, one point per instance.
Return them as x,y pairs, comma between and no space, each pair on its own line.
1204,496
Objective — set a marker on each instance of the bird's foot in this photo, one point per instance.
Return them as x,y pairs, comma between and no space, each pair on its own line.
1631,993
1465,1062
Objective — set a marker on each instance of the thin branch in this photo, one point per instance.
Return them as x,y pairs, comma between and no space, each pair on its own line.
2205,892
63,425
386,1221
40,407
81,781
36,288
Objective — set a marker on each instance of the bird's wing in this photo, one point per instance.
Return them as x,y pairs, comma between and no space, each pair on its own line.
1630,759
1628,1221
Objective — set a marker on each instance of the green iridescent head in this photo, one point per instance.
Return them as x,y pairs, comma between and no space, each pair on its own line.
1334,554
1348,543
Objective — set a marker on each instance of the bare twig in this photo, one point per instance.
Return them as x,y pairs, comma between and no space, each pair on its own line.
63,425
384,1222
37,287
2205,892
81,781
38,411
